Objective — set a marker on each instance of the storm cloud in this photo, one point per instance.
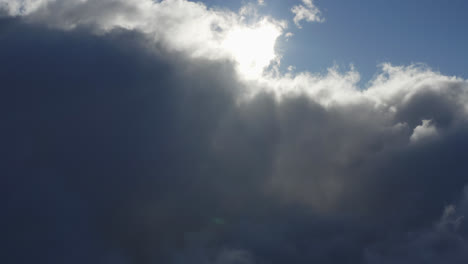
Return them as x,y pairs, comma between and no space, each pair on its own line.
117,148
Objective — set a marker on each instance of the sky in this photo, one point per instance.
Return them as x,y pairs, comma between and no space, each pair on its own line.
374,32
229,132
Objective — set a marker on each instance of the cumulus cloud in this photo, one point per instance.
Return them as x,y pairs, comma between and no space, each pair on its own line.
133,143
306,11
179,25
424,131
444,241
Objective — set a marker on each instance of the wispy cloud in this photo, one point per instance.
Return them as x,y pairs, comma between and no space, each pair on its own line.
306,11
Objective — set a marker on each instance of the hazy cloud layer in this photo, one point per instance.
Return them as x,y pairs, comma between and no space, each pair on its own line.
120,148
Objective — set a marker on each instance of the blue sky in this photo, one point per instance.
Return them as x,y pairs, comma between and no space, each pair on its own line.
369,32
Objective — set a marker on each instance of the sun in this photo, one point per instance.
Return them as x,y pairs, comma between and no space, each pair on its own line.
253,47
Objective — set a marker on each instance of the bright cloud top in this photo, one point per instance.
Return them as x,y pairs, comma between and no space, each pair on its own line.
245,38
253,48
180,25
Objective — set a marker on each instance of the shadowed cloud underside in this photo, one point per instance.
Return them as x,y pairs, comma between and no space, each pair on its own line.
127,141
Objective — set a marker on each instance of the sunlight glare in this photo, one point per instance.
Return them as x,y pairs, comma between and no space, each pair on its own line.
253,48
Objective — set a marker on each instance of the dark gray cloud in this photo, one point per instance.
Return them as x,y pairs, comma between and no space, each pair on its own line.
445,241
116,153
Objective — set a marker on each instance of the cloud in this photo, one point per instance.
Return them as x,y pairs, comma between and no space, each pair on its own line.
306,11
16,8
178,25
444,241
120,148
424,131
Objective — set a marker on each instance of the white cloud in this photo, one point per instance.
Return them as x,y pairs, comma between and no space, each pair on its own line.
183,26
306,11
425,131
248,40
24,7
